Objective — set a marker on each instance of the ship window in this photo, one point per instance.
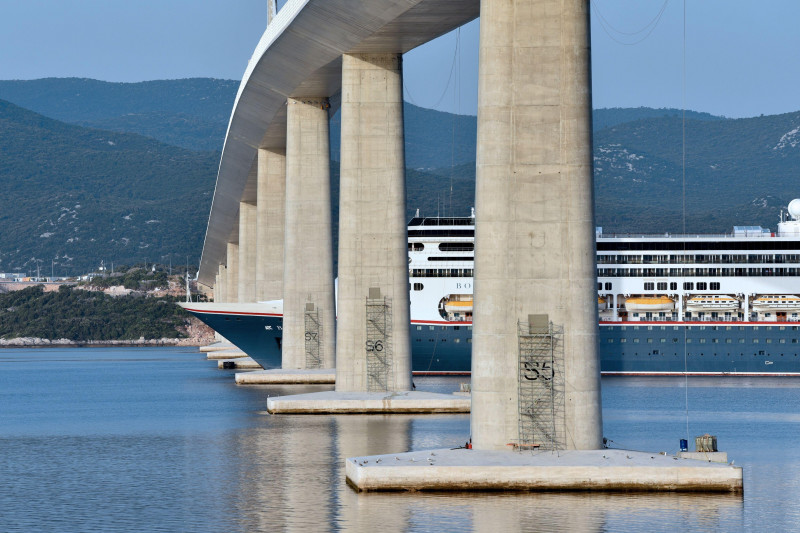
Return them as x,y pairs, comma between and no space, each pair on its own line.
769,341
761,352
648,285
456,327
782,341
741,341
456,247
415,247
663,340
649,341
635,341
419,328
715,341
701,285
418,286
702,341
610,341
599,286
623,340
431,328
688,341
674,339
662,285
469,328
688,286
608,288
456,340
469,340
714,286
755,341
781,328
794,341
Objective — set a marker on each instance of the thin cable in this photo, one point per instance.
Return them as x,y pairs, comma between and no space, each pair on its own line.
683,201
608,28
643,28
457,99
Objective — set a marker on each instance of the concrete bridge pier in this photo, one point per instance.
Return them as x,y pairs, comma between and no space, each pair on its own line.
372,226
534,256
232,270
534,243
220,295
373,357
271,199
308,245
247,252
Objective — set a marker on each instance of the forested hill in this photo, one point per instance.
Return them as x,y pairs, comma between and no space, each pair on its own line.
191,113
77,195
738,172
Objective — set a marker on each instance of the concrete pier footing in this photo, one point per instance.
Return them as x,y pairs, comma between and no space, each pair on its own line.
243,363
226,354
570,470
288,376
217,347
368,402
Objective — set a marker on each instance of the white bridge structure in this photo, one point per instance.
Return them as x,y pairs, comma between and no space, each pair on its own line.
269,232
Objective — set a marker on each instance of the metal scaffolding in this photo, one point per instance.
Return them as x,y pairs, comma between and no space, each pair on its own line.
313,323
541,385
379,342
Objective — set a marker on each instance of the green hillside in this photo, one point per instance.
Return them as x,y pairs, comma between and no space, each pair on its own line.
76,196
80,315
191,113
737,172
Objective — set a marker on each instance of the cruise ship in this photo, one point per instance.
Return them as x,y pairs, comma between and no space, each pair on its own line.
667,304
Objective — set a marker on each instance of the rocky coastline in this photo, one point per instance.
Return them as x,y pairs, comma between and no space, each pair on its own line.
35,342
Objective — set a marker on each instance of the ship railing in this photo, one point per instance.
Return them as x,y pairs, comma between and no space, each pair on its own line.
679,235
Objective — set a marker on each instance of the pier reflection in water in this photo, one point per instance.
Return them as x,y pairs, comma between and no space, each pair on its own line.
159,439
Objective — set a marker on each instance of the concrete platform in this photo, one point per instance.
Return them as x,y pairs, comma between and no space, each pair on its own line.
280,376
241,362
368,402
713,457
217,346
227,354
591,470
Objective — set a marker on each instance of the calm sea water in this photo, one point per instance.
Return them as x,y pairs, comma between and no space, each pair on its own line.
159,439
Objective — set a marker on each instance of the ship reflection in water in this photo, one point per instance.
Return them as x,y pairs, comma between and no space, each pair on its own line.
159,439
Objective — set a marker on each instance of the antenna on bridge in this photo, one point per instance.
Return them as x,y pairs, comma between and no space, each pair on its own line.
272,10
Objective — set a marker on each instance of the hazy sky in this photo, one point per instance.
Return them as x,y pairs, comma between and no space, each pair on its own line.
741,56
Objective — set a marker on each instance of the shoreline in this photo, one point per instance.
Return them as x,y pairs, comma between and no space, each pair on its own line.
34,342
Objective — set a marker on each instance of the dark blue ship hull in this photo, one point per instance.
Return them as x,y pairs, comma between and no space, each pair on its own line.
435,348
623,348
700,348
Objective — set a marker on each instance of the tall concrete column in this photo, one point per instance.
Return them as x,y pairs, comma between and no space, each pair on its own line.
232,269
270,221
373,250
247,252
220,295
534,244
308,254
